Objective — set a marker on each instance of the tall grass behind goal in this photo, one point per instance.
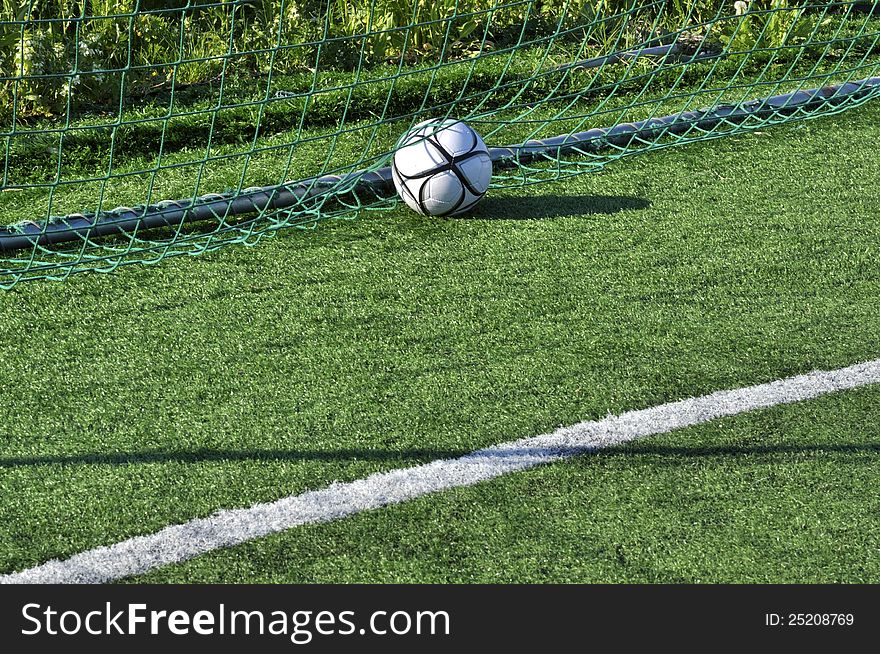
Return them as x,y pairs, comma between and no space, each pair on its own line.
134,130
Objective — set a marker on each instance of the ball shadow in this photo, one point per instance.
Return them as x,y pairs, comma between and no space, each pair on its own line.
545,207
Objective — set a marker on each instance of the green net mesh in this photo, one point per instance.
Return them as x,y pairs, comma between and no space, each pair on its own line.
134,130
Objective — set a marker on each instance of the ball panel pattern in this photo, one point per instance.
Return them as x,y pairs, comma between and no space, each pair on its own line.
441,194
441,167
409,190
477,171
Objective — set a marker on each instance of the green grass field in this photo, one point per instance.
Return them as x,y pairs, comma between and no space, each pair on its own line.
787,495
154,395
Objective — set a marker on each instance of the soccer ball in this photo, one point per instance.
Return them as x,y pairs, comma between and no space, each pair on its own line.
441,167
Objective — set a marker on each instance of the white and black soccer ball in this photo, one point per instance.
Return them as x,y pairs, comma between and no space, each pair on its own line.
441,167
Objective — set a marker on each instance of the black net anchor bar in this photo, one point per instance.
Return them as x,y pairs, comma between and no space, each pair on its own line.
601,139
174,213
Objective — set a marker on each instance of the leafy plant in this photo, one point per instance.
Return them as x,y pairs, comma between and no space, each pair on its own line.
387,29
765,24
91,54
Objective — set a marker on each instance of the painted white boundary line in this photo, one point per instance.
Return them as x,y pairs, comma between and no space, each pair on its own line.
230,527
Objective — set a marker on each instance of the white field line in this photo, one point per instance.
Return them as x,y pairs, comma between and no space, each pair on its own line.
231,527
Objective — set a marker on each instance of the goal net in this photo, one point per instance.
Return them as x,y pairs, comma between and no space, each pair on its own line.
134,130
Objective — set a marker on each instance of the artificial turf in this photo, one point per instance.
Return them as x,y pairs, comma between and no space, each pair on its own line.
785,495
154,395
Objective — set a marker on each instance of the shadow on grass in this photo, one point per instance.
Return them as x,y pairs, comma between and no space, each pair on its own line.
758,453
200,456
543,207
670,453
